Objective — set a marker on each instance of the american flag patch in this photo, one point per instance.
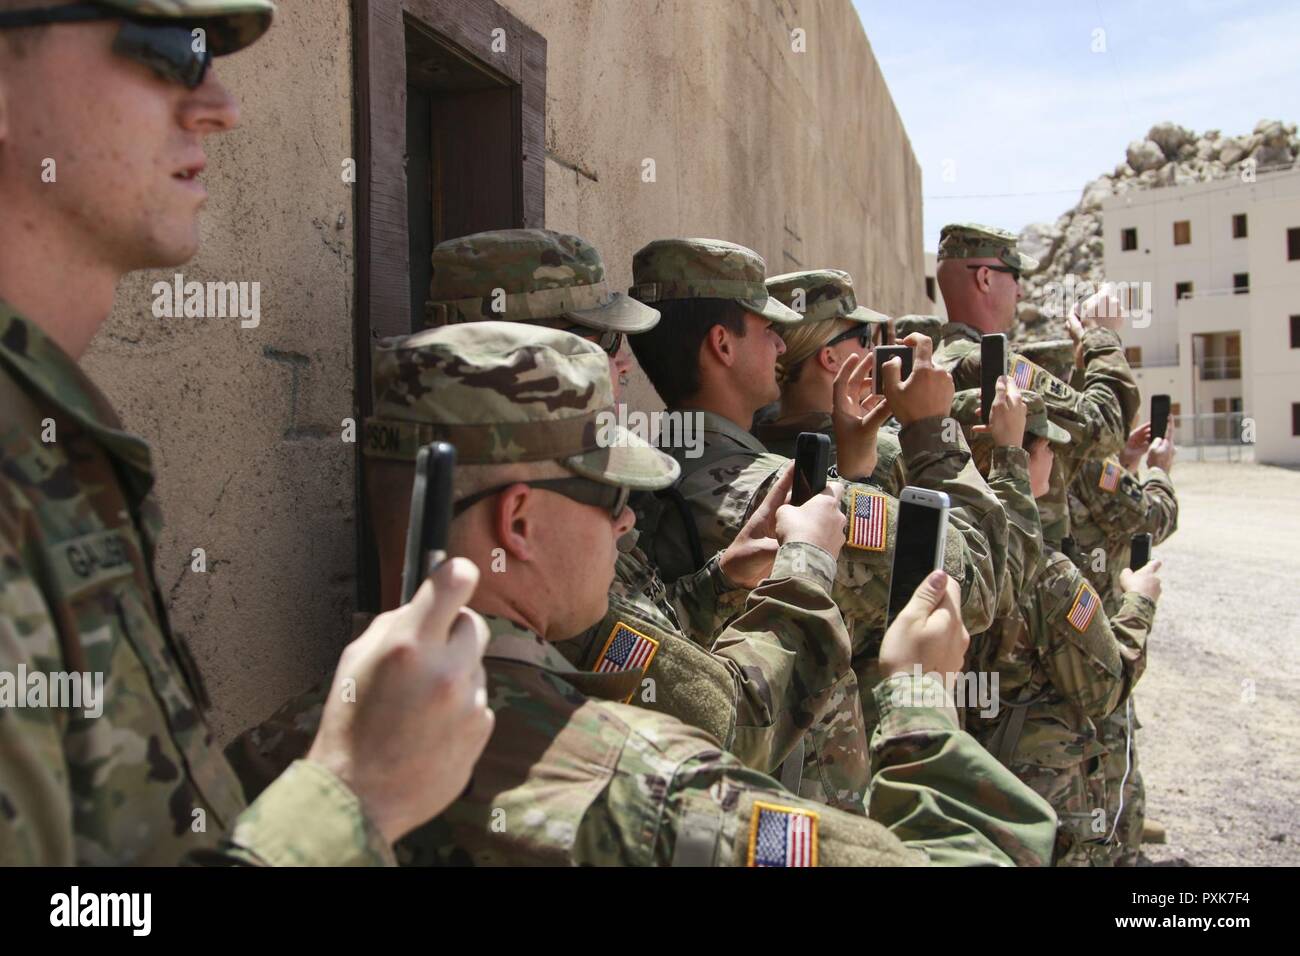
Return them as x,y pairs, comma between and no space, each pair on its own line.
626,649
1022,373
1110,476
868,511
782,836
1086,603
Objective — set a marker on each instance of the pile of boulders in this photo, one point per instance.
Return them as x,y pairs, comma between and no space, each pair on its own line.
1170,155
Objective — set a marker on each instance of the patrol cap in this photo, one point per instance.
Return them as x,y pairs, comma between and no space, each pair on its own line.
827,294
970,240
527,275
506,392
705,269
929,325
1055,355
230,25
965,405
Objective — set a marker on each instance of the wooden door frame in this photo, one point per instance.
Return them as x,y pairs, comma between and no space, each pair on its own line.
382,304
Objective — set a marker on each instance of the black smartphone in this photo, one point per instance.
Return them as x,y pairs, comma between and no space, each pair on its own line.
883,354
812,456
430,521
918,543
1159,416
1140,551
993,364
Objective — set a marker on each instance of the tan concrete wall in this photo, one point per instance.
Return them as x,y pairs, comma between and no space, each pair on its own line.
245,422
801,156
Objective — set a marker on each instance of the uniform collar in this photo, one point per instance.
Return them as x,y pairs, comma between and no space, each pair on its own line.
33,357
509,641
959,330
716,426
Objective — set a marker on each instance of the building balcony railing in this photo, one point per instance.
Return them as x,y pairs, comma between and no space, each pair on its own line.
1220,367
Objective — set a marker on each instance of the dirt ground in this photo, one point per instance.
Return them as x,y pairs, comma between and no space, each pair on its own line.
1220,701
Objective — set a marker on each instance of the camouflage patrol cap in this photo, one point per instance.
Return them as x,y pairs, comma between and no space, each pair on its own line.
1056,355
970,240
827,294
965,408
705,269
230,25
529,275
506,392
929,325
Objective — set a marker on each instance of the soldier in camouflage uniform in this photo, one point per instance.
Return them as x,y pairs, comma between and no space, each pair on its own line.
979,273
572,774
758,691
1062,665
134,776
702,285
928,325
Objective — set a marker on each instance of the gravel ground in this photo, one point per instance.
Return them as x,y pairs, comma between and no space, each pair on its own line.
1220,700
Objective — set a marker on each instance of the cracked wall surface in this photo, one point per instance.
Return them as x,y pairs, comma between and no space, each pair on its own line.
800,155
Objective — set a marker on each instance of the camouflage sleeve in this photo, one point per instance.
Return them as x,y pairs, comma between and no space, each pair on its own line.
694,598
939,791
889,473
1097,417
787,652
934,795
977,525
1009,479
307,817
1092,661
1161,504
35,792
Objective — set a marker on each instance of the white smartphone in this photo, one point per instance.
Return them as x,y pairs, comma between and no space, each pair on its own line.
918,543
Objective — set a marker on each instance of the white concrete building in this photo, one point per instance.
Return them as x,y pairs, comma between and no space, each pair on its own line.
1222,260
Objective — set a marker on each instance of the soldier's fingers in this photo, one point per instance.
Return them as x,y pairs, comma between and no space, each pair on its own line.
857,373
890,373
777,495
877,409
1155,566
835,489
928,596
1014,396
441,597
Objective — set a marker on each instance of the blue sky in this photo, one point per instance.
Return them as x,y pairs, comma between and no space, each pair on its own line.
1008,97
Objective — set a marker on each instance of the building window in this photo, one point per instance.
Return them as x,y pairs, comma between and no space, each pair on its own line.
929,288
1183,290
1133,355
1175,409
1239,226
1293,244
1128,239
1295,331
1240,282
1182,232
1295,419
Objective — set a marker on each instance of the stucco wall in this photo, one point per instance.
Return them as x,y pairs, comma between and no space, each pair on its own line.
800,155
245,422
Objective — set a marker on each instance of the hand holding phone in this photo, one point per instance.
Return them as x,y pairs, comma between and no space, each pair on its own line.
1139,551
812,458
918,543
430,522
1159,416
883,353
993,365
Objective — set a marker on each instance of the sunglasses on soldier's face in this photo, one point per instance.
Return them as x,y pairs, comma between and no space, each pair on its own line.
863,333
165,46
609,341
1015,273
610,498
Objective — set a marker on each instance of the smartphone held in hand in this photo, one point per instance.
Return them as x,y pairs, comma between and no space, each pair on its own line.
918,543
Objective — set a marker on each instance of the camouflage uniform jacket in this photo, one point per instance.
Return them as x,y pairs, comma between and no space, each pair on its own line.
779,437
765,680
1062,664
1096,417
571,776
1108,505
142,782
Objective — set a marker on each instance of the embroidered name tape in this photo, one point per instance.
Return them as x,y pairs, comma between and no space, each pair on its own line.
782,836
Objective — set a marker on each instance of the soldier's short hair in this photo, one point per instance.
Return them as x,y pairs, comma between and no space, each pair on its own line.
670,352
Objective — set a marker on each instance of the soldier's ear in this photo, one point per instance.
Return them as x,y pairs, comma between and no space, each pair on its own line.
827,360
515,521
718,343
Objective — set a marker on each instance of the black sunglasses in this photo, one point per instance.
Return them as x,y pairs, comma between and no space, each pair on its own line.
1015,273
610,498
865,335
165,46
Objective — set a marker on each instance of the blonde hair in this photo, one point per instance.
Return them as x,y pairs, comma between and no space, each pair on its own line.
802,341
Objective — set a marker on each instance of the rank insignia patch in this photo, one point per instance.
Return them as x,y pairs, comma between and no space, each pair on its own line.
627,649
1022,373
1086,603
868,512
782,836
1111,473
